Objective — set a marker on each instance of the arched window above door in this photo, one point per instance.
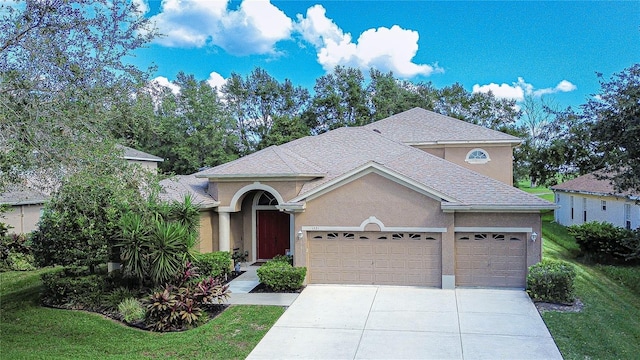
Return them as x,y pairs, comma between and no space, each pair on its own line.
267,199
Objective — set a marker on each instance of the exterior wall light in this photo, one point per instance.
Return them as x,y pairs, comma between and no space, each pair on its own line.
534,236
300,235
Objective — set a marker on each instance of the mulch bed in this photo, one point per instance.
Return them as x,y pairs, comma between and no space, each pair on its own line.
575,307
262,288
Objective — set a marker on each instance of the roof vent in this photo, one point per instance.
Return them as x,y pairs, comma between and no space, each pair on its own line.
376,130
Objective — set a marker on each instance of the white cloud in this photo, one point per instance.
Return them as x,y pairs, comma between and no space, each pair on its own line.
216,80
164,82
502,91
254,28
517,90
383,48
143,6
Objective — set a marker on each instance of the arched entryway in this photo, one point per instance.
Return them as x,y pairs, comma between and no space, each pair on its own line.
272,227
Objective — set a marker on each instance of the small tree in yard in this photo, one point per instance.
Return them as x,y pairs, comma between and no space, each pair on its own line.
80,222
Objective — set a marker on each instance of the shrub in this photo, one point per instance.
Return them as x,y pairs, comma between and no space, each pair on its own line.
281,276
605,243
15,251
178,308
131,310
81,218
73,289
216,264
284,258
552,281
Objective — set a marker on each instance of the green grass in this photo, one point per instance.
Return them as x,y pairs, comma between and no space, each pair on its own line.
28,331
609,325
542,192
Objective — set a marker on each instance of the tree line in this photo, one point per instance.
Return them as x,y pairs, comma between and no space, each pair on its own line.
67,95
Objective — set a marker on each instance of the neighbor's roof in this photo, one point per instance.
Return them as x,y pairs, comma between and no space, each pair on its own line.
22,195
133,154
341,151
590,184
419,126
177,187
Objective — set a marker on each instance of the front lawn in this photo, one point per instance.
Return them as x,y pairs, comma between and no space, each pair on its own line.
609,325
29,331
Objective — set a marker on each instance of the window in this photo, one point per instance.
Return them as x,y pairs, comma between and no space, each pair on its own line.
603,205
477,156
584,209
627,216
267,199
571,200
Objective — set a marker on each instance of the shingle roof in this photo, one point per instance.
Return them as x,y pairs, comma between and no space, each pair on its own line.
418,126
273,161
590,184
177,187
133,154
22,195
342,150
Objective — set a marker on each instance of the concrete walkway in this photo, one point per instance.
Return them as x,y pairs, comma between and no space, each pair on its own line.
389,322
243,284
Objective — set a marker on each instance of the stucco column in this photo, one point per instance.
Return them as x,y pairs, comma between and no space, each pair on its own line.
449,254
224,231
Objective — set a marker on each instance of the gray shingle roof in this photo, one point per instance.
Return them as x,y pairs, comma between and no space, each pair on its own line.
590,184
177,187
22,195
343,150
133,154
418,126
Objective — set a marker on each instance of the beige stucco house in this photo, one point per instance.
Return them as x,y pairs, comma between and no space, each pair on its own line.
415,199
25,204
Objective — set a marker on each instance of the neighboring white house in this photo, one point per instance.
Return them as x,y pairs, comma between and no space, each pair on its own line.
587,198
25,204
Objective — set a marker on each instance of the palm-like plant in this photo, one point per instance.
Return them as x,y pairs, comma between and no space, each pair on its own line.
167,247
133,244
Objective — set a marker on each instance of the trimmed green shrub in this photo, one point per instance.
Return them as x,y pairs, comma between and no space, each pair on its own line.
131,310
73,289
605,243
281,276
284,258
15,252
551,281
215,264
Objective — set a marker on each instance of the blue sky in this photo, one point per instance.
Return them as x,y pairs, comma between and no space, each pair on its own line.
512,48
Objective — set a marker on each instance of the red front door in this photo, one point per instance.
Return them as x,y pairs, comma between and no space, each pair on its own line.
273,233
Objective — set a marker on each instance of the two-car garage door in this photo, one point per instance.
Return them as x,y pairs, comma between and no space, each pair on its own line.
481,259
375,258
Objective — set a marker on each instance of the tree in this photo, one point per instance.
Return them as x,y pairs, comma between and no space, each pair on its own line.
61,77
340,100
615,115
256,101
80,222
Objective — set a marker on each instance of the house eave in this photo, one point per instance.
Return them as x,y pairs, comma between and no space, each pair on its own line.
598,193
464,142
142,159
449,208
261,177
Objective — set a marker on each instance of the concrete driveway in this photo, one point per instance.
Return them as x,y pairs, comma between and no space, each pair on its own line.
393,322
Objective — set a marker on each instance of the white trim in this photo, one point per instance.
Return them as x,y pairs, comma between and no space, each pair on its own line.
368,168
492,229
234,204
374,220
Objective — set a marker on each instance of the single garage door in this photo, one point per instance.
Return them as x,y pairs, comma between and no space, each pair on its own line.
492,260
375,258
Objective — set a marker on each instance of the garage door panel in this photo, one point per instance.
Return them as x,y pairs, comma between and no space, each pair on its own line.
376,258
494,260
